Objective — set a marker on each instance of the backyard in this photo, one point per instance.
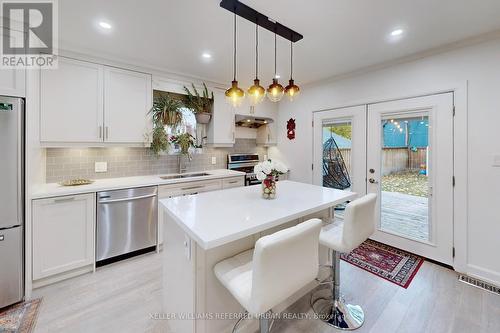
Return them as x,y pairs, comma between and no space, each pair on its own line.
407,182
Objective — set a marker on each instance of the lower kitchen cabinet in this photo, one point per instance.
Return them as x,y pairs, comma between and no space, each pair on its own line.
176,190
63,234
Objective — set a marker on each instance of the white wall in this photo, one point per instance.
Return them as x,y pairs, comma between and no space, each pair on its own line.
479,65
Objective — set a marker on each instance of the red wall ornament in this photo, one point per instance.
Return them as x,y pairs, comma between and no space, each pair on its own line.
290,126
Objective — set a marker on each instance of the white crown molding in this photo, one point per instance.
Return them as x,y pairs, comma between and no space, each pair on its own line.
136,65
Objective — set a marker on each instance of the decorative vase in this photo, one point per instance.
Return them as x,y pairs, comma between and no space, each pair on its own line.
269,187
203,117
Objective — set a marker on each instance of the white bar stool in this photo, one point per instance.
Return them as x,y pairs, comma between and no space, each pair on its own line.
358,225
280,265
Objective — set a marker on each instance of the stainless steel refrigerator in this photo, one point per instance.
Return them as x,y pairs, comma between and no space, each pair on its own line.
11,200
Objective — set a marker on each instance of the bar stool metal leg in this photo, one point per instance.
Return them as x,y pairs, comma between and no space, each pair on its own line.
333,310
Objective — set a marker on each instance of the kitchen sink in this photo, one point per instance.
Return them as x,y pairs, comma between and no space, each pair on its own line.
187,175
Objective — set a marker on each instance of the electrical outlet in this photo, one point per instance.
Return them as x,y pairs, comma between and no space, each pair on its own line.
101,166
496,160
214,160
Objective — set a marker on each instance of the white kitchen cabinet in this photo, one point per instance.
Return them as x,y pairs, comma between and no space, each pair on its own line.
93,105
128,99
13,81
175,190
221,129
63,234
71,103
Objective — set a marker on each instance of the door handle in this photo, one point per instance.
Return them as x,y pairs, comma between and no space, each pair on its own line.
64,200
373,181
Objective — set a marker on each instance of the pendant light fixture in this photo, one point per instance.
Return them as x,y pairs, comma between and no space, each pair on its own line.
291,90
256,93
235,94
275,91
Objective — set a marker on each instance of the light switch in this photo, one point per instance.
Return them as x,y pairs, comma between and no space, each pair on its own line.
496,160
101,166
214,160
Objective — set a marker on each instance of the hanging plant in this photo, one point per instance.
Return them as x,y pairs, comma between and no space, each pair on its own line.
201,105
159,141
166,111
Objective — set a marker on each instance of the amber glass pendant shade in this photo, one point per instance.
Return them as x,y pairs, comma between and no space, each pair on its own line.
275,91
256,93
235,94
292,90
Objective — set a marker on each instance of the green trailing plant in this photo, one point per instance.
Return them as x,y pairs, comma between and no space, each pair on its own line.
159,141
166,111
199,103
184,141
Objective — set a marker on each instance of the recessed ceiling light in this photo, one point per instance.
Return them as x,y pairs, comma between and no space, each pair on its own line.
105,25
206,55
397,32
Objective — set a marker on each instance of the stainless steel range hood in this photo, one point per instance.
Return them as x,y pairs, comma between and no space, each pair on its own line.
251,121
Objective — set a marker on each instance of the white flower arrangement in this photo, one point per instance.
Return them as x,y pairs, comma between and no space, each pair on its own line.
269,167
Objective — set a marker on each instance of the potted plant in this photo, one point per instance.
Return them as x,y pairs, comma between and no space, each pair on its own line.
166,111
201,105
159,141
184,141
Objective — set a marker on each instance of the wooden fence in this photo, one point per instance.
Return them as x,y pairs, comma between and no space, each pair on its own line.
394,159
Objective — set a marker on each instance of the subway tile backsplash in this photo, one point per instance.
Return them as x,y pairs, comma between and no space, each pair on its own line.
69,163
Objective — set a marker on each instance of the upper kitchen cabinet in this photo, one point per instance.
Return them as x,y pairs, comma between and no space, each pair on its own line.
221,129
90,104
128,98
12,81
71,103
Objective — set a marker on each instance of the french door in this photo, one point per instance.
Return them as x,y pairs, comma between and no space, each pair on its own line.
346,128
403,151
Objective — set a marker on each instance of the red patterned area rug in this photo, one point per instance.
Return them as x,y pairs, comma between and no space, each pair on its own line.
19,318
387,262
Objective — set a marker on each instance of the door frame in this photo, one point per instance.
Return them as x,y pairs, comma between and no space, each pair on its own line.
460,158
357,115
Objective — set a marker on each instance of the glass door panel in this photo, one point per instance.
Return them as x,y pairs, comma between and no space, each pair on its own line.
405,176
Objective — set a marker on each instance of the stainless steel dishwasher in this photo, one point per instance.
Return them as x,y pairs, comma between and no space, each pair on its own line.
126,223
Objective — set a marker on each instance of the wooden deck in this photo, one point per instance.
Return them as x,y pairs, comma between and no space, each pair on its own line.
405,214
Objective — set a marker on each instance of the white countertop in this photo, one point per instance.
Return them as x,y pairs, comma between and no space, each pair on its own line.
54,189
217,218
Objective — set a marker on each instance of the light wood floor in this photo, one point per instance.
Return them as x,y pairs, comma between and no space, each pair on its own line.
122,297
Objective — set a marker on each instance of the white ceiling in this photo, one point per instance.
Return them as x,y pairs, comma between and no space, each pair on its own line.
340,36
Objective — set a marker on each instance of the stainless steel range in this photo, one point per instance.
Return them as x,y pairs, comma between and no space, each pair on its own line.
244,163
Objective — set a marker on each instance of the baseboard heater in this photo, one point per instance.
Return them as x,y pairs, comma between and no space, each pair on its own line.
479,284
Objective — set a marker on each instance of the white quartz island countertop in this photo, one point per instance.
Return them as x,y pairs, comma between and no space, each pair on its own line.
54,189
217,218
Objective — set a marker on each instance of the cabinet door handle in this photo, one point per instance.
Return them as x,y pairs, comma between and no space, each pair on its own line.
232,182
107,132
100,132
192,188
64,199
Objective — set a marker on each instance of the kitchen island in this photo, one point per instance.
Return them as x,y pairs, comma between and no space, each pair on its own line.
203,229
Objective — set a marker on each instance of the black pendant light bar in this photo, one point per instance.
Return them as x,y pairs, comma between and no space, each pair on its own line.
250,14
